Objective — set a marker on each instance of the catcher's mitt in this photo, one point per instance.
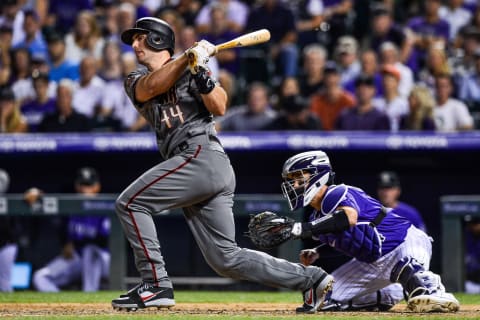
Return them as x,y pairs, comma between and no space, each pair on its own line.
268,230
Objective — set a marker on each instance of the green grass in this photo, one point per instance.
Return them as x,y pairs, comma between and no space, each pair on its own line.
210,297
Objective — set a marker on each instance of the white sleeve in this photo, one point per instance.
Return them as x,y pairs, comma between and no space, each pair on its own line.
315,7
464,118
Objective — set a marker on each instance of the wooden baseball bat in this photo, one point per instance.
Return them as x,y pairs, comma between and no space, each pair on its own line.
245,40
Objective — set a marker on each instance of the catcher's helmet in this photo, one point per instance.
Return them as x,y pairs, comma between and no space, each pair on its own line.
160,35
317,165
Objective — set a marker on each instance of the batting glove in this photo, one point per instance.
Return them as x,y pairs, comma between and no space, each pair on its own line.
211,48
198,58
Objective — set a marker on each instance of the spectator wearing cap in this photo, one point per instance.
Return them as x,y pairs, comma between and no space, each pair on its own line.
385,30
420,110
85,39
34,110
450,114
60,66
427,30
84,257
311,78
65,118
456,15
329,103
467,43
364,116
254,115
346,55
295,115
11,119
394,105
389,54
33,38
389,191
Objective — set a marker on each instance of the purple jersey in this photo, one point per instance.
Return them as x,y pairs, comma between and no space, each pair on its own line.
352,119
412,214
393,228
88,229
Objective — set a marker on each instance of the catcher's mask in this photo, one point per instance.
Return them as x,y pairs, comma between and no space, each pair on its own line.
304,174
160,35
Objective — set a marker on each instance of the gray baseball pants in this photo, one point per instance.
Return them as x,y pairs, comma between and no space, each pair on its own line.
200,180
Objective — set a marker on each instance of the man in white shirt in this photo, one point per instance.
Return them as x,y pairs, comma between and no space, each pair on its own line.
88,92
450,114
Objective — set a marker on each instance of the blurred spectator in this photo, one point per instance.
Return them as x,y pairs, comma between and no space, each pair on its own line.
236,15
276,17
62,14
126,18
311,78
369,67
33,39
427,29
85,255
85,39
107,18
385,30
140,9
11,119
364,116
472,255
288,87
116,102
469,85
187,9
450,114
89,89
34,110
436,64
110,66
220,32
332,99
338,16
8,245
389,191
255,115
6,33
65,118
13,16
389,55
295,115
228,82
456,16
20,77
346,55
466,44
394,105
60,66
420,114
309,21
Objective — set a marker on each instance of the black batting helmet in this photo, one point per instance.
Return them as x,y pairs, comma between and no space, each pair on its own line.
160,35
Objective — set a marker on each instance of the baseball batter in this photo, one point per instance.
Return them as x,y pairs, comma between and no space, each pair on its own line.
386,247
196,175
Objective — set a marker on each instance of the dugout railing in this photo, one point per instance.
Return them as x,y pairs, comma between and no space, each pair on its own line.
104,204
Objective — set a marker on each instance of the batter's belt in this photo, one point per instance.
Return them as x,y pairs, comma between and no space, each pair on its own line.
200,138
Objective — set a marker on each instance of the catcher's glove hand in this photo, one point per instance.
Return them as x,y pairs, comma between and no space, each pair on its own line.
268,230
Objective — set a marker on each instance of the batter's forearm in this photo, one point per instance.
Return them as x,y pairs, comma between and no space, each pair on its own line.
216,101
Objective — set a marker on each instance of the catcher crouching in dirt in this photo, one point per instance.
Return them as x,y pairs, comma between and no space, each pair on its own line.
386,247
177,96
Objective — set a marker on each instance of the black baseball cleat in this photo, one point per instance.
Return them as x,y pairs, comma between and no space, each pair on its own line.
145,295
314,297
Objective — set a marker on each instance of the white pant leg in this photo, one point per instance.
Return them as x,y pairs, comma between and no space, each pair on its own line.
95,266
57,273
8,254
356,278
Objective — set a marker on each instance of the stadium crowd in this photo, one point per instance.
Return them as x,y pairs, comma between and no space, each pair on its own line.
330,65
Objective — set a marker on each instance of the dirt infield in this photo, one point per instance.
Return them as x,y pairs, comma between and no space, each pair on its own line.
284,309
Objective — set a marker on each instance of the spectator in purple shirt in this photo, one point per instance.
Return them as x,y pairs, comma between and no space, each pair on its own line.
364,116
389,191
428,30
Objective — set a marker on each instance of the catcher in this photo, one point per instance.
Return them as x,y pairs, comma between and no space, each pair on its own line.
386,247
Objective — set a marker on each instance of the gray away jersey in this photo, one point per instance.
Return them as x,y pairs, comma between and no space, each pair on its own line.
176,114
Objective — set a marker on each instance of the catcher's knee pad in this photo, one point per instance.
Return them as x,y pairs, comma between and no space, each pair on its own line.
414,278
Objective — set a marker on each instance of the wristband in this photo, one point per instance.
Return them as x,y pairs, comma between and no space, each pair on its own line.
205,83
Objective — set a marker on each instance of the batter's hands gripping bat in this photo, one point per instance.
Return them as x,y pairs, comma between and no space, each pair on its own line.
249,39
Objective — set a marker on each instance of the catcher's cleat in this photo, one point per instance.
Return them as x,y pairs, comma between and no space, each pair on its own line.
436,302
145,295
314,297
